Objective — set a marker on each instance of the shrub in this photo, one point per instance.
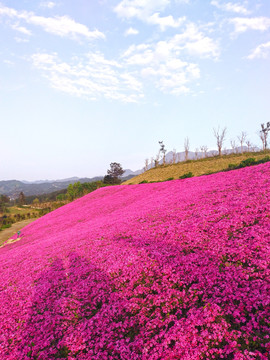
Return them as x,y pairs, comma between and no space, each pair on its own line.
264,160
232,166
247,162
169,179
186,175
6,226
143,182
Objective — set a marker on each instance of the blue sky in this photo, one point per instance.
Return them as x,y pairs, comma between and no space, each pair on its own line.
87,83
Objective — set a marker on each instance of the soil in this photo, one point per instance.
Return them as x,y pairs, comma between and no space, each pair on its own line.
7,233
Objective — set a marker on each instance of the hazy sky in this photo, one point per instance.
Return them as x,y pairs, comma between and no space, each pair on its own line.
86,83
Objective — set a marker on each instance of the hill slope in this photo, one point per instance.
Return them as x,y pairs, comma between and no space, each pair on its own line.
197,167
174,270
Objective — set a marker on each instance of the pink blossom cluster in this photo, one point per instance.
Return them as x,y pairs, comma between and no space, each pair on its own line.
173,270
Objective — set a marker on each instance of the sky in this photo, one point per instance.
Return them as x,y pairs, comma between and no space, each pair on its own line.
86,83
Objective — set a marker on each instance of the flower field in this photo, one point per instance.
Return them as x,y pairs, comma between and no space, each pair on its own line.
162,271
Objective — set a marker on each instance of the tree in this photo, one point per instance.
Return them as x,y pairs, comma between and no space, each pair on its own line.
4,200
242,137
264,134
249,145
162,150
74,191
35,201
186,146
233,145
174,156
108,179
21,198
146,164
115,172
204,149
220,138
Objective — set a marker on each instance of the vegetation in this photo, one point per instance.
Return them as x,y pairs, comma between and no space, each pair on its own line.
249,162
39,205
187,175
13,214
196,167
114,174
175,270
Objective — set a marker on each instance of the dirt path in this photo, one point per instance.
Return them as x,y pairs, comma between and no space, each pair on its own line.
7,233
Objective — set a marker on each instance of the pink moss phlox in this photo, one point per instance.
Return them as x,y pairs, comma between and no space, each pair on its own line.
174,270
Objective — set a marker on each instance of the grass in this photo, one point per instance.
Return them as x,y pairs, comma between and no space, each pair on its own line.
16,214
196,167
24,210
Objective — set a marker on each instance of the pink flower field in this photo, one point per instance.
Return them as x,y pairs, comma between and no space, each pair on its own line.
173,270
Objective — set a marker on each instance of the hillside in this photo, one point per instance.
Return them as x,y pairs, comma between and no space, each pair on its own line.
172,270
197,167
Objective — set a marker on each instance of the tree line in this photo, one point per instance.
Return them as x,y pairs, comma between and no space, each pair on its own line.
220,137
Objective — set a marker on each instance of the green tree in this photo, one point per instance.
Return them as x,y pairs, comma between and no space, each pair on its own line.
4,200
21,198
74,191
35,201
115,172
61,197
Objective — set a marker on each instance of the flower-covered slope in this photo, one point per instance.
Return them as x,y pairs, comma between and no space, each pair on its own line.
174,270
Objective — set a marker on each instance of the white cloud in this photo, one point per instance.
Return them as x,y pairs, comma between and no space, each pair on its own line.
165,21
63,26
48,4
8,11
160,64
90,77
262,52
58,25
194,42
21,40
131,31
148,11
9,62
244,24
21,29
140,9
231,7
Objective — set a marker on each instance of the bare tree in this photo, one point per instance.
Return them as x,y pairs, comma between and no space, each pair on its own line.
152,162
174,156
233,146
249,145
186,146
146,164
196,153
242,138
157,158
220,138
204,149
162,150
264,134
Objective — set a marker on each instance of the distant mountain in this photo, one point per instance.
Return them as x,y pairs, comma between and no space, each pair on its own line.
75,178
12,188
129,172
